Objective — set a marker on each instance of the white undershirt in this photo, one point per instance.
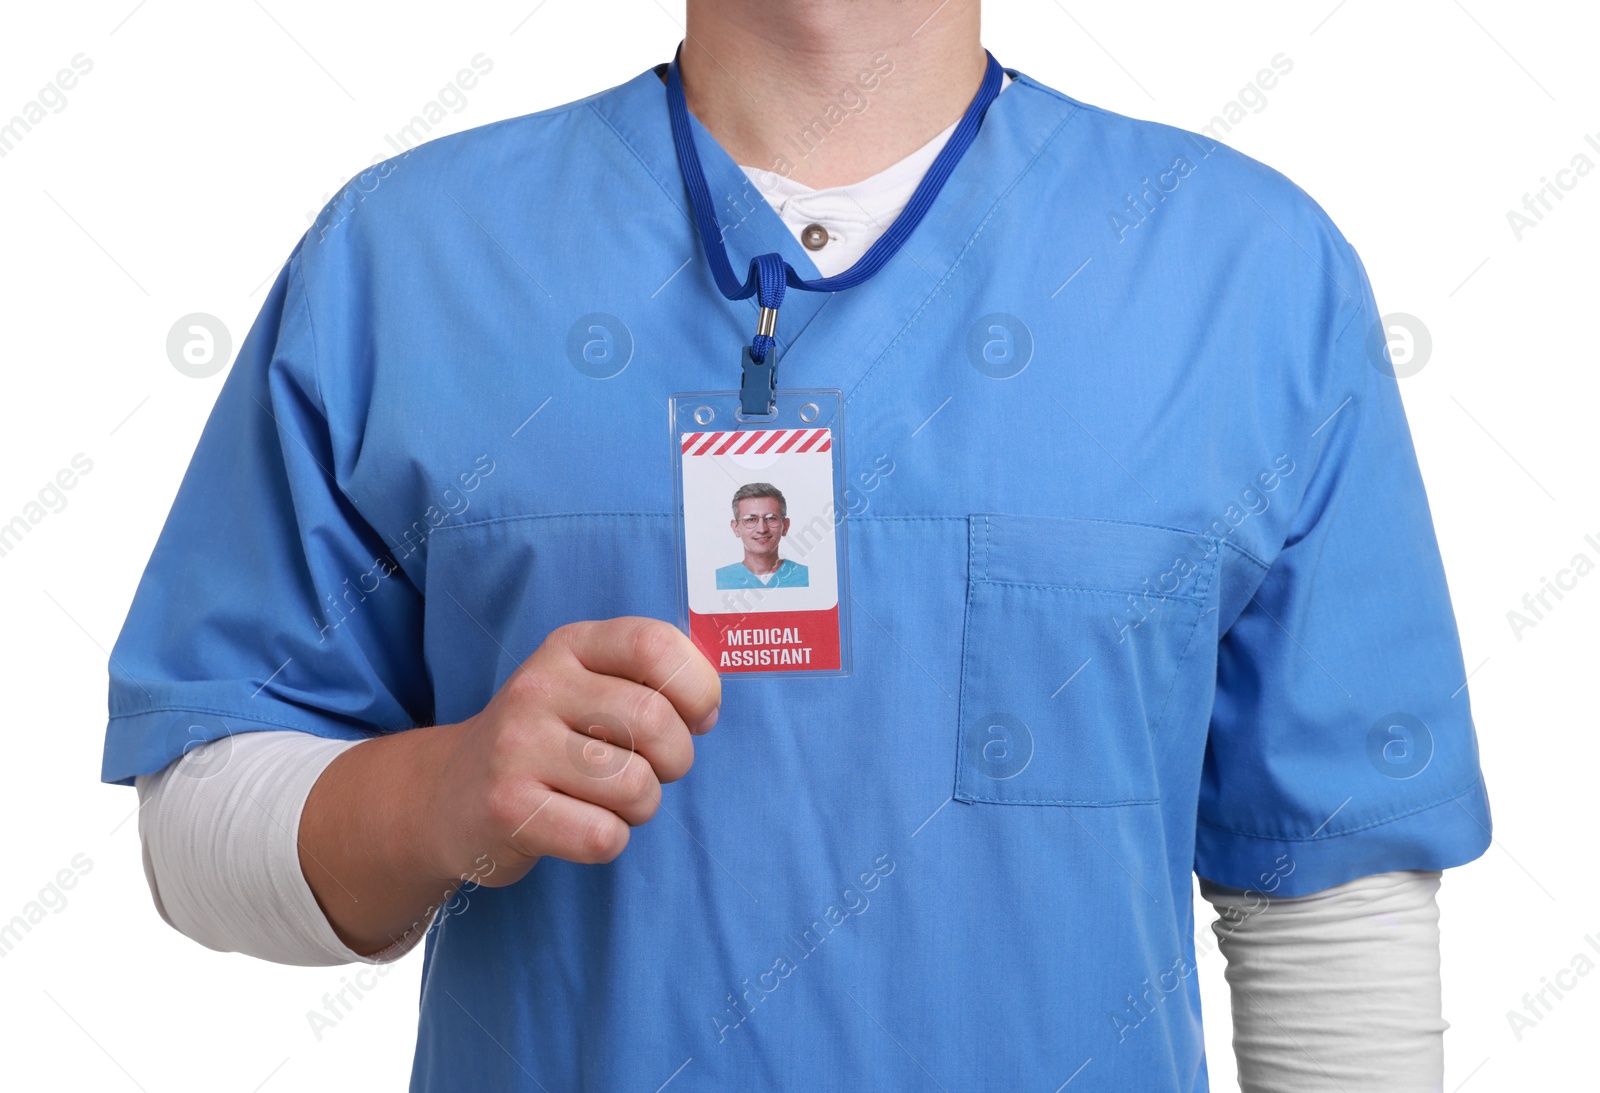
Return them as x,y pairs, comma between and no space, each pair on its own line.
854,214
1334,991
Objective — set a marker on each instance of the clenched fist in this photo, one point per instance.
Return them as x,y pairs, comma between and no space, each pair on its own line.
567,756
573,749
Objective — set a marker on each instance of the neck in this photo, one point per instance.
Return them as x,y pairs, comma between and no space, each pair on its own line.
829,92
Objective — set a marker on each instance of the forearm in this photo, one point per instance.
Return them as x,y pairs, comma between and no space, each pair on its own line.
1336,991
363,841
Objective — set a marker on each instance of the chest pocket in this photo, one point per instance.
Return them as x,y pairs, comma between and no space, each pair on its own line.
1077,634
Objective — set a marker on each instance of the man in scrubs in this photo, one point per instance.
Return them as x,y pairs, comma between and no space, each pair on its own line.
1152,591
761,520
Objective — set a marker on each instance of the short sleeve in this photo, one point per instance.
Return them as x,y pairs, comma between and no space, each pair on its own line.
268,602
1341,741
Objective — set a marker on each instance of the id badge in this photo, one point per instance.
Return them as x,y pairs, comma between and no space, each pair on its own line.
762,580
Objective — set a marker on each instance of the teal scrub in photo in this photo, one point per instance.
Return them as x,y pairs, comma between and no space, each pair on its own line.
1151,591
789,574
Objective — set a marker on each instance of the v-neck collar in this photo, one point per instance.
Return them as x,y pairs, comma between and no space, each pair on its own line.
864,322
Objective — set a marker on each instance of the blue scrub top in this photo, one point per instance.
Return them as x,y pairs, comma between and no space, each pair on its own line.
1143,583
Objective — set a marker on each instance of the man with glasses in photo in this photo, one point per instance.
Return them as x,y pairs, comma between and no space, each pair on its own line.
761,520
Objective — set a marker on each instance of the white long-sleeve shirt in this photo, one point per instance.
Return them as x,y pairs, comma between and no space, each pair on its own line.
1333,991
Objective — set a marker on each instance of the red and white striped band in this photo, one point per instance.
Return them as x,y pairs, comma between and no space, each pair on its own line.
757,442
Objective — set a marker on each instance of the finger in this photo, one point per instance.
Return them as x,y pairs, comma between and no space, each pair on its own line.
554,824
601,773
634,718
655,654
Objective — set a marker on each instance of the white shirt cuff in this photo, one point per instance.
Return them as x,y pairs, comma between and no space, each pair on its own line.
220,829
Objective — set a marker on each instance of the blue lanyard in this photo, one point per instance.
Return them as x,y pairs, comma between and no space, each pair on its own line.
769,273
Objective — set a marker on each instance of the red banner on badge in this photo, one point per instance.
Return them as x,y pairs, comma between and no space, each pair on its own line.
768,641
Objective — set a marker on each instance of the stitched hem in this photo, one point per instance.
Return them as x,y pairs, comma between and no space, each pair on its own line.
1475,785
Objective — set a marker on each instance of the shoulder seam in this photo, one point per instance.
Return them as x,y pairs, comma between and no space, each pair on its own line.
971,241
634,152
300,277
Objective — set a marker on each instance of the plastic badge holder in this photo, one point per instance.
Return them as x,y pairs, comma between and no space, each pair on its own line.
763,582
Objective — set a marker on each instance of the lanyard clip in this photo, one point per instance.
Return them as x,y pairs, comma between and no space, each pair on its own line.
758,380
758,384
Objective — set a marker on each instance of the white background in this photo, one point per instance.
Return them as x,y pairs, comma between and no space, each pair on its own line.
186,164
